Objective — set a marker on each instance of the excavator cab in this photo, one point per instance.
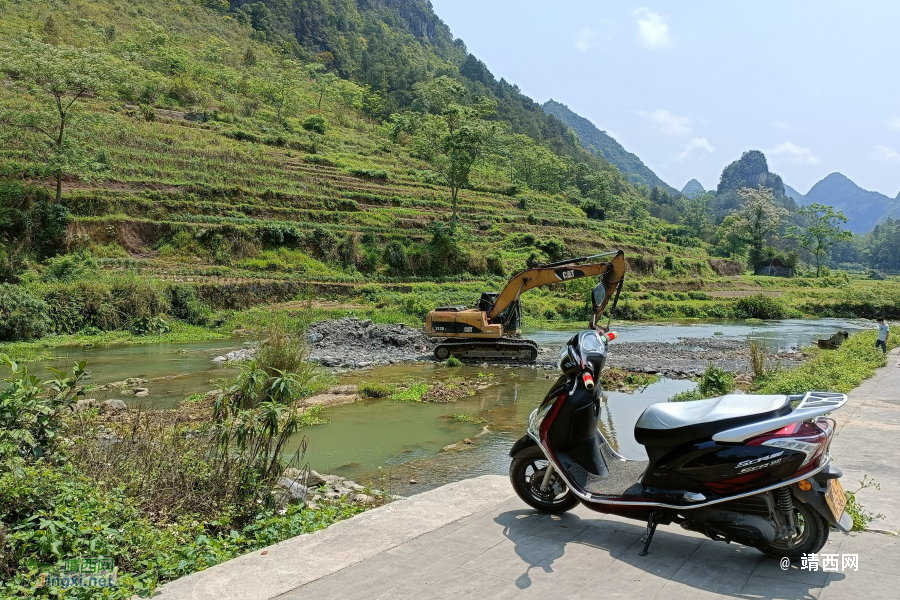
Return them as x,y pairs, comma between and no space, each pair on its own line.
510,318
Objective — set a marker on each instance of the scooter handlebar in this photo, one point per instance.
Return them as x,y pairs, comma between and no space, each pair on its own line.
610,335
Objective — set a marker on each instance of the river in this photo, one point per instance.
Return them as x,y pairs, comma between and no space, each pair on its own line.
408,440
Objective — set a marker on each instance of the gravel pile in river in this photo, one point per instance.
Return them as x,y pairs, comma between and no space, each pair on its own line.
687,357
355,343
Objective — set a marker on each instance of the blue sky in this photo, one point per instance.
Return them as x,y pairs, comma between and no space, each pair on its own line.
688,86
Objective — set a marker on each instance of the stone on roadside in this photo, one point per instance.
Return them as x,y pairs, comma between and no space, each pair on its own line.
363,499
315,480
297,490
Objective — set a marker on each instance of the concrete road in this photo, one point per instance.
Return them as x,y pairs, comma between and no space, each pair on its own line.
868,444
474,538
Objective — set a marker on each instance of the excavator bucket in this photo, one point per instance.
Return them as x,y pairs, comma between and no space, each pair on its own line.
608,289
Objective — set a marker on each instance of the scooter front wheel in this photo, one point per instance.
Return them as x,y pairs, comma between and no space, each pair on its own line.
527,475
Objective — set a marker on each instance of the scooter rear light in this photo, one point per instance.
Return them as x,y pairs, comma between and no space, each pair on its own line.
803,437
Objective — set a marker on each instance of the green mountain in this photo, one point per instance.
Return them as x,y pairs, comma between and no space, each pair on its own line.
692,189
863,208
601,144
750,170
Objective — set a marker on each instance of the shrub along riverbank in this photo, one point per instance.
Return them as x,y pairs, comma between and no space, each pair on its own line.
838,370
162,493
72,301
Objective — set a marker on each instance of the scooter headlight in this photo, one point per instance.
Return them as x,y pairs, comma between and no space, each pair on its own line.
537,417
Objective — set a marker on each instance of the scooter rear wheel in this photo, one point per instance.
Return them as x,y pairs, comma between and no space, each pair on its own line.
812,537
527,474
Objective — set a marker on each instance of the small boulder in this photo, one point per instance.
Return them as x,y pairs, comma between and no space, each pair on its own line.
83,405
315,480
297,490
314,338
292,474
114,405
333,480
142,394
363,499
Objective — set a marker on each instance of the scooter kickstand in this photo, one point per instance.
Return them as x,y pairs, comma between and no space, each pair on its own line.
648,536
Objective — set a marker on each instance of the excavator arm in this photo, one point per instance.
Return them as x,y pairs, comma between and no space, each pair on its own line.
612,271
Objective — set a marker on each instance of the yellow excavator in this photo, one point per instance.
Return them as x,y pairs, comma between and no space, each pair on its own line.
490,331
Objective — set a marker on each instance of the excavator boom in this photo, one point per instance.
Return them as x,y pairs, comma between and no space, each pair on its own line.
566,270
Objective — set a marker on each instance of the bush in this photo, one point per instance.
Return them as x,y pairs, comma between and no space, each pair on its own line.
375,389
316,123
760,307
715,381
22,316
395,257
69,267
185,305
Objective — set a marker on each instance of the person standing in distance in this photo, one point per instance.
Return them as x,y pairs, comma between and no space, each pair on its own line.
883,330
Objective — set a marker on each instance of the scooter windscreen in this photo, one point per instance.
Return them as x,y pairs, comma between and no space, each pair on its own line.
585,350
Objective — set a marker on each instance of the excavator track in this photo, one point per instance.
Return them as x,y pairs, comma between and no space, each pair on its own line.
505,349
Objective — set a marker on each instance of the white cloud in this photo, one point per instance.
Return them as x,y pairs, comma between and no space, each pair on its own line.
894,123
653,31
885,154
668,123
792,153
600,33
694,147
586,39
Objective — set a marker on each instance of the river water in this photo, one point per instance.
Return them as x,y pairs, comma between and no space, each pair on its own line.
409,440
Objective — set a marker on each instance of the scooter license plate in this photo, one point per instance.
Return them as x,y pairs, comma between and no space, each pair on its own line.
836,498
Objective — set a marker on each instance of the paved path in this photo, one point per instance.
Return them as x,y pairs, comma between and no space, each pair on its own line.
868,443
474,538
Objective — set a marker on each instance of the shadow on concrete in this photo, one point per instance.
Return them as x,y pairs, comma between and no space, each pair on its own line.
672,558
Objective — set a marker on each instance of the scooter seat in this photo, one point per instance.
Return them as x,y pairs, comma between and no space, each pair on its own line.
675,423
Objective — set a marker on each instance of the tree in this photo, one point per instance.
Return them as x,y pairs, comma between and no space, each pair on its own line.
695,215
455,138
65,75
821,233
281,79
756,218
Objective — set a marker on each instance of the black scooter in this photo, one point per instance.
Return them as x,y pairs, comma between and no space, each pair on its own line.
751,469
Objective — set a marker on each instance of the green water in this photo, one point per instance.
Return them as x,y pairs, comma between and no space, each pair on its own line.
383,433
408,439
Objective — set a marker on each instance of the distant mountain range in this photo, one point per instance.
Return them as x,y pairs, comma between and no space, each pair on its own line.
600,143
863,208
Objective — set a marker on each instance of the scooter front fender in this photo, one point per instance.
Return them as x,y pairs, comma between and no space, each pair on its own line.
526,447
